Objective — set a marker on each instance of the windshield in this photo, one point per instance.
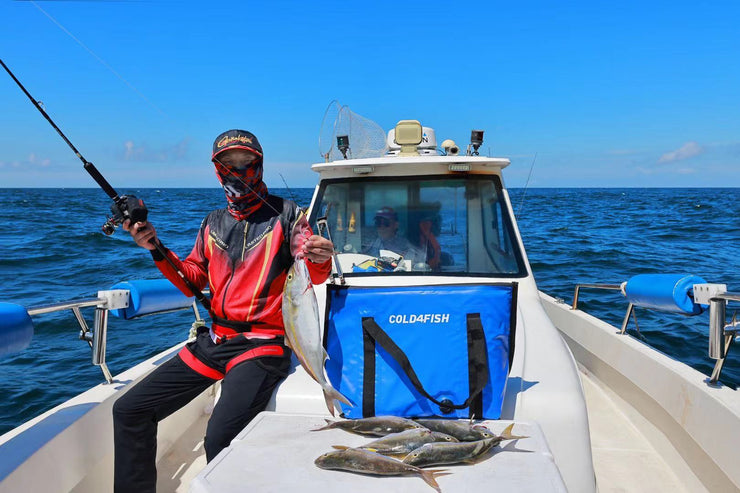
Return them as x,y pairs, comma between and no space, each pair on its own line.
446,225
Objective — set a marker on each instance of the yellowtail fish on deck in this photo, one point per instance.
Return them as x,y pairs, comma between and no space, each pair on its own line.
403,442
377,426
438,453
464,431
303,330
367,462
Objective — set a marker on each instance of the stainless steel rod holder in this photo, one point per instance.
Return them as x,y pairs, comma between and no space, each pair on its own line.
717,315
100,337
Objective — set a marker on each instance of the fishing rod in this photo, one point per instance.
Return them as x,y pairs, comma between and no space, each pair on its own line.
124,207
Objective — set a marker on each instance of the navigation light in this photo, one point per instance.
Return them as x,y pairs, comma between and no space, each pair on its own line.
343,144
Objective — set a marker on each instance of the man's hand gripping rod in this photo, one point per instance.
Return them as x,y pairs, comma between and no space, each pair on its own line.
123,207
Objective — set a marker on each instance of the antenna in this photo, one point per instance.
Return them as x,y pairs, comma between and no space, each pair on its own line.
521,202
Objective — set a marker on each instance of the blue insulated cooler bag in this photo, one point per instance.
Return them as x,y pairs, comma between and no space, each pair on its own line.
421,350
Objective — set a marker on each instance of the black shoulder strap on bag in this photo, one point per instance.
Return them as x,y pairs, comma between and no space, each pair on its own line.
477,365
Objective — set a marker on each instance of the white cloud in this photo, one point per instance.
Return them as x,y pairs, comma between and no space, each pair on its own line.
31,161
35,161
142,152
689,149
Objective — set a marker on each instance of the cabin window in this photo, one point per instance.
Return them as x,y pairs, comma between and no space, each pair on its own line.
449,225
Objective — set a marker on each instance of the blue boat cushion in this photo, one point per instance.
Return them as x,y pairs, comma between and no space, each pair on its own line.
421,350
16,328
151,296
665,292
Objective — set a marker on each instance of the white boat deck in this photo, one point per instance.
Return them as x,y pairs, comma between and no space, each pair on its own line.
629,454
523,465
625,460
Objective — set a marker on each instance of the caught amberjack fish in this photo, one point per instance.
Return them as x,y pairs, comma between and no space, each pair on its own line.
368,462
438,453
303,331
377,426
450,453
464,431
403,442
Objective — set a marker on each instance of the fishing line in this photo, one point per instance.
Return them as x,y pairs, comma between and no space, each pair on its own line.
126,207
105,64
521,202
290,192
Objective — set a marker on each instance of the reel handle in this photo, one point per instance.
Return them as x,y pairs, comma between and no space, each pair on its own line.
125,207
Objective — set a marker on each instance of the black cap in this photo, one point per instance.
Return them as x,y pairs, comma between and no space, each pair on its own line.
236,139
387,212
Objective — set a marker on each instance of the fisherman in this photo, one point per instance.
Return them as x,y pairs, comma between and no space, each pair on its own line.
386,226
243,253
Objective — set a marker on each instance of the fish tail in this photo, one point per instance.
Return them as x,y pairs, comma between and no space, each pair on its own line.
430,475
331,394
329,402
328,426
506,434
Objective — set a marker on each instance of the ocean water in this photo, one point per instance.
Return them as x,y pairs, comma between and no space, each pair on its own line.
53,250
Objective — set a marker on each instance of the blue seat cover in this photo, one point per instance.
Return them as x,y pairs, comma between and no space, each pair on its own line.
151,296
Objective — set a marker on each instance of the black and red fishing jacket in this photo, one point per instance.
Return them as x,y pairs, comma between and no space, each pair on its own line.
245,264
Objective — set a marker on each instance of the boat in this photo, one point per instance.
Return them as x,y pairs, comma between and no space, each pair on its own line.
600,409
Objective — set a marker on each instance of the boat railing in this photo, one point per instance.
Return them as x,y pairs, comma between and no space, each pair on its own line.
140,299
687,295
617,287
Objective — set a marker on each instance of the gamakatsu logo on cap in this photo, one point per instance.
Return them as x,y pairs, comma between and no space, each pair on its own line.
232,139
421,318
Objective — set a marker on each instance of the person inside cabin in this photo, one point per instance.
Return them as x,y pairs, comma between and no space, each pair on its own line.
428,242
243,253
388,237
424,229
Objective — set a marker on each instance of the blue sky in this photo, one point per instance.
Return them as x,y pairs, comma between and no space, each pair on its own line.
604,94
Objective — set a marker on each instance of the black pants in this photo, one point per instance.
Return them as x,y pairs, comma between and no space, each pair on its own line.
245,391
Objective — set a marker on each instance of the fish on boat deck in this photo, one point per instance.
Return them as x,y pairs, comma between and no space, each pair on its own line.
438,453
378,426
403,442
464,431
450,453
368,462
